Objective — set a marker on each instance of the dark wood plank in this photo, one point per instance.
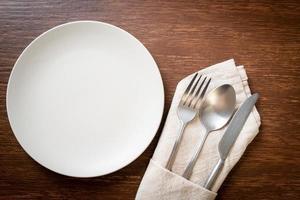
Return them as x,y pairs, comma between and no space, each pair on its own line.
183,36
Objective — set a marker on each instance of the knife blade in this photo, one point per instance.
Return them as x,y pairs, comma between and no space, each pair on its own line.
230,136
236,126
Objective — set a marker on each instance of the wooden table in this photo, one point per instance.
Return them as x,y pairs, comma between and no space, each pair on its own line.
183,36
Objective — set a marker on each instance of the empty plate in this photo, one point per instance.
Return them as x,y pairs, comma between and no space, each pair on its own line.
85,99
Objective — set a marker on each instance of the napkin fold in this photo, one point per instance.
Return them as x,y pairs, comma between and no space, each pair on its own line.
159,183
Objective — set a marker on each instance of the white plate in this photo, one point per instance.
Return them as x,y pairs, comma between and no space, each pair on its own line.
85,99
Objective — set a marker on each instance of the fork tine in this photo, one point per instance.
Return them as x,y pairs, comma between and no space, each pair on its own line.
198,91
186,92
202,93
191,95
204,90
195,99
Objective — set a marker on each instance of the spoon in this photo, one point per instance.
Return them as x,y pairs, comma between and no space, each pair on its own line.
215,111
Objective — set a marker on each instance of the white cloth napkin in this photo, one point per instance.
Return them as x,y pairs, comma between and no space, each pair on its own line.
158,182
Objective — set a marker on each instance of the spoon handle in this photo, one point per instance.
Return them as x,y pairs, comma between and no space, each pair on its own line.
175,147
189,169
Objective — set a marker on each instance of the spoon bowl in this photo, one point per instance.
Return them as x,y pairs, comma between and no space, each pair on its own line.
218,107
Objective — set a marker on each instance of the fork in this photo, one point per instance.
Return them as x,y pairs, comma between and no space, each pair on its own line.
187,110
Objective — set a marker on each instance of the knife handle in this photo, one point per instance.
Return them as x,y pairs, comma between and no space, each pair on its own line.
174,151
214,174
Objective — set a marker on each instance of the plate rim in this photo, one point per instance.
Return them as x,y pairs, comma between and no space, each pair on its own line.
155,131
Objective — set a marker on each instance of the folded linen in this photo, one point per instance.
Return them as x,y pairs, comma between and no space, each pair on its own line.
160,183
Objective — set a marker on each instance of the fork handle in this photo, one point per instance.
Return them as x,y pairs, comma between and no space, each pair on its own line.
175,147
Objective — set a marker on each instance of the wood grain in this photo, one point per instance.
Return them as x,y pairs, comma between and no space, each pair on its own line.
183,36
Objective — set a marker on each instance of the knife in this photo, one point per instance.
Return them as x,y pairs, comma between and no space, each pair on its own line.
230,136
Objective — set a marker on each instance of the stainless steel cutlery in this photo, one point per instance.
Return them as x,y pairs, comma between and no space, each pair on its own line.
187,109
215,111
